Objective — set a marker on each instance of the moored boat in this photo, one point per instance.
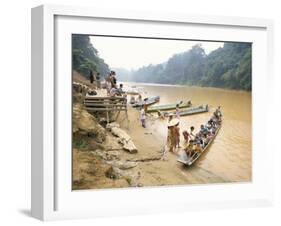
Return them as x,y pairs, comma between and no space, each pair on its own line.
195,110
131,91
147,101
190,111
166,107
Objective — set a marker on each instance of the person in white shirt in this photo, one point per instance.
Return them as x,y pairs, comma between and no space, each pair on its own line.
142,117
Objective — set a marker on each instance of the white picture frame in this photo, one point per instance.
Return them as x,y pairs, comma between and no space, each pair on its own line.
52,197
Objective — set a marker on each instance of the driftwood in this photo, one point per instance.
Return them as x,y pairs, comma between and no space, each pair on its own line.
147,159
122,165
124,139
114,149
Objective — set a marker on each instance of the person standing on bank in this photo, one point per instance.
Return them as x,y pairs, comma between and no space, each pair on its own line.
98,81
91,77
113,79
108,83
142,117
177,135
177,111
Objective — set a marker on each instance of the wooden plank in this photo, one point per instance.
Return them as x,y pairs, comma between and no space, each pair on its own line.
104,109
105,105
104,98
103,102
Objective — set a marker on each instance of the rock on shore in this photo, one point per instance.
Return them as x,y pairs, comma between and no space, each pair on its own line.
124,138
84,123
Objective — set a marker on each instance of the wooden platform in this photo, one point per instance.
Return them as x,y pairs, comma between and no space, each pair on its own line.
105,104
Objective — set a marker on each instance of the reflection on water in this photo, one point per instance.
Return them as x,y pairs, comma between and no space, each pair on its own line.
230,155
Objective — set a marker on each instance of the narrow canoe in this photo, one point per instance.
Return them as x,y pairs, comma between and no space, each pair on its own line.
190,111
131,91
147,101
166,107
183,158
196,110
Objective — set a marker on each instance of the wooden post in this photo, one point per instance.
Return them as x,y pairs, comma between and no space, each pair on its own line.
106,104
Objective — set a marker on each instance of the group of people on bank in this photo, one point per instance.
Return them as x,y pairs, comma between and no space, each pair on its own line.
110,83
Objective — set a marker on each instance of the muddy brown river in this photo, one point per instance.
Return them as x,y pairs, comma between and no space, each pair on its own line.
230,155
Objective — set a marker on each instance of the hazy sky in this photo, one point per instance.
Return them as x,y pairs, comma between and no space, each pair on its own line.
133,53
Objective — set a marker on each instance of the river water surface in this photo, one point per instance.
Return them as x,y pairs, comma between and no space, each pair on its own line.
230,155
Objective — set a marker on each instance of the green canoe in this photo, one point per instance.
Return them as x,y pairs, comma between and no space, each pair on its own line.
190,111
166,107
196,110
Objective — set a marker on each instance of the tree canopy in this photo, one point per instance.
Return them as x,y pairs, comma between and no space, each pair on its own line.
85,57
228,67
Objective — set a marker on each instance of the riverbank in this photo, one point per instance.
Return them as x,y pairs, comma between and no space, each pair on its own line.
227,160
94,166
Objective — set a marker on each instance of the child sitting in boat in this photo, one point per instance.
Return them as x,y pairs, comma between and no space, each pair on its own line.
206,140
209,124
203,130
189,148
197,150
186,136
218,113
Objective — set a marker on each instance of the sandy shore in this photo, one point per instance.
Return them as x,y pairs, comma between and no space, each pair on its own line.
151,170
162,172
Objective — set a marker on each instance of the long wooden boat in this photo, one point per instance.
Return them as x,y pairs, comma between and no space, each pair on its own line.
131,91
166,107
189,111
196,110
147,101
186,160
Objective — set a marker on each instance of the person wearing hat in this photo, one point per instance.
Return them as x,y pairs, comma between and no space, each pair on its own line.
171,138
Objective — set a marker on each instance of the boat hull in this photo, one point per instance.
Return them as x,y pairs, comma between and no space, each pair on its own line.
167,107
148,101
